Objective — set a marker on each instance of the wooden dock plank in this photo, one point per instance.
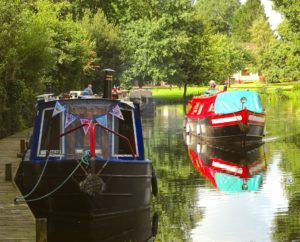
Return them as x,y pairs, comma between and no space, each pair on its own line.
17,222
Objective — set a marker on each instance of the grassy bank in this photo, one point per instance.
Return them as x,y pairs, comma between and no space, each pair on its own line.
278,90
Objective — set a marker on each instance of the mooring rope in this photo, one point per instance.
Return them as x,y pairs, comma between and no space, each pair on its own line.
55,189
38,181
84,159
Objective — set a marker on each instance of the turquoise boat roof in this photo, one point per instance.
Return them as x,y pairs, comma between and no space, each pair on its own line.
230,102
230,183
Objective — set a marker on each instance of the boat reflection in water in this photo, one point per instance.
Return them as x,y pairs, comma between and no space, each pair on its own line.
228,169
130,226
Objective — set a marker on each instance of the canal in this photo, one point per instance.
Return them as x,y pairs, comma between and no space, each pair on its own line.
196,203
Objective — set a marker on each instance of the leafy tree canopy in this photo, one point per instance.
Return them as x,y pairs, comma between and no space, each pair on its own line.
218,14
244,17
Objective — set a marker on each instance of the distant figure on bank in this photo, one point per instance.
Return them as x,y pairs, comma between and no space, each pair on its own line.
212,87
88,90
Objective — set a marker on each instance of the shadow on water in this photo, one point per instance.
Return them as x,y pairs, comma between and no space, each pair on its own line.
130,226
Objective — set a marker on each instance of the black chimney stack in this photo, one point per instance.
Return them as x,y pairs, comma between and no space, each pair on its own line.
108,83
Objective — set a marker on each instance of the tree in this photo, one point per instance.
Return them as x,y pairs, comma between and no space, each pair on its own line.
10,90
106,37
281,62
263,39
244,17
38,44
226,57
167,44
218,15
290,8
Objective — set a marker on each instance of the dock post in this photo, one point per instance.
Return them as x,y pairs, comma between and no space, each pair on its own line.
22,148
8,172
41,229
22,145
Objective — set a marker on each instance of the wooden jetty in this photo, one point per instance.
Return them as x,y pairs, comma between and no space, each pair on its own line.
17,222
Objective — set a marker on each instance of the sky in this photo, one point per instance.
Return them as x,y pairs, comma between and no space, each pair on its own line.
274,17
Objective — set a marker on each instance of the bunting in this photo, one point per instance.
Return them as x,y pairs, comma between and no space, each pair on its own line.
102,119
58,109
130,104
70,118
116,111
87,121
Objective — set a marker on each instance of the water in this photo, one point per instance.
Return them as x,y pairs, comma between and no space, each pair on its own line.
192,208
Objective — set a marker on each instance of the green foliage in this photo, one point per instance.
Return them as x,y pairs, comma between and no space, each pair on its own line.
263,38
290,8
244,17
69,42
281,61
37,44
279,93
218,15
296,87
106,39
226,57
166,47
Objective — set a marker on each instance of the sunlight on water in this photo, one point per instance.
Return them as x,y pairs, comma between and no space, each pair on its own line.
230,217
191,205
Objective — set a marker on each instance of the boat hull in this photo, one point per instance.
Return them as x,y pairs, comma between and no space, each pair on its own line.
125,186
235,129
128,226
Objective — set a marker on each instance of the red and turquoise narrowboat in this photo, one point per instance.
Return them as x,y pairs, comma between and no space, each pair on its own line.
235,117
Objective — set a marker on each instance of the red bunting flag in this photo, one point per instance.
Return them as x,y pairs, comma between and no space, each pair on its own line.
88,123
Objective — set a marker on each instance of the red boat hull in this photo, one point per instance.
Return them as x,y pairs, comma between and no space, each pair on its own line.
240,127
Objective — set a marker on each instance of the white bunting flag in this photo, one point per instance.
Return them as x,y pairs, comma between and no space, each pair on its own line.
102,119
130,104
70,118
58,109
116,111
88,123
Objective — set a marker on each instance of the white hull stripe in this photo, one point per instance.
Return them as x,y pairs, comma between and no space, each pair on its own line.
226,120
229,168
256,118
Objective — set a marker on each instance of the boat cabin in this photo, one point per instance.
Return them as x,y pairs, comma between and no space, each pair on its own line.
224,103
201,106
68,133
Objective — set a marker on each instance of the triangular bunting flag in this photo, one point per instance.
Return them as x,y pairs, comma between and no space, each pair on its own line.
116,111
70,118
102,119
130,104
58,109
86,127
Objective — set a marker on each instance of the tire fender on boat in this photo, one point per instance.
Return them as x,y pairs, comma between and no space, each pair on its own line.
154,184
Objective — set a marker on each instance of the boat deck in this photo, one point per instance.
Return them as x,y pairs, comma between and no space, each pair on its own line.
17,223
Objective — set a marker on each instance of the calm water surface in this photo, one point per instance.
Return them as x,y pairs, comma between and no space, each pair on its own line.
192,207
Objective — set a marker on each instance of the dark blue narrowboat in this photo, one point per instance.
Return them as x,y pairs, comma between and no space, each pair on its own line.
85,159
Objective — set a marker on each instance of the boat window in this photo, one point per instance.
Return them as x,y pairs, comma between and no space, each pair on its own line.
78,141
50,130
200,109
196,108
126,128
211,107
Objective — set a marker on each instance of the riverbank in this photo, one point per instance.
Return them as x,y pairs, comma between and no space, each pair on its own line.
171,94
17,222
